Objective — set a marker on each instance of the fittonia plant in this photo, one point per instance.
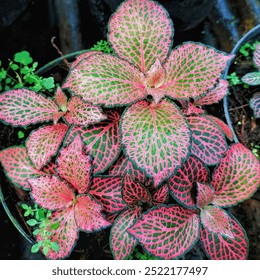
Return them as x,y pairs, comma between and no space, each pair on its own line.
132,145
253,79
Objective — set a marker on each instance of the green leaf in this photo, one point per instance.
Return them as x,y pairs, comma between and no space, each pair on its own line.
55,247
48,83
20,134
55,226
32,222
45,250
36,232
35,248
14,66
23,57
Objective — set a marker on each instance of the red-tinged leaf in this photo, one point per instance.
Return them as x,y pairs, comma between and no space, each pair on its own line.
224,127
83,56
134,193
141,31
75,166
192,69
57,116
82,113
181,184
205,194
252,78
122,243
106,80
21,107
107,191
18,166
49,168
156,138
124,166
256,56
51,192
255,104
88,214
214,95
216,220
193,110
101,140
208,141
111,217
44,142
219,247
167,232
155,76
66,235
161,195
237,177
61,99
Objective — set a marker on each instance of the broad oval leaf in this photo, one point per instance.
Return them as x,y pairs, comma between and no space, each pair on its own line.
88,214
181,184
107,191
18,166
82,113
44,142
21,107
192,69
75,166
205,194
237,177
216,220
161,195
121,242
141,31
219,247
252,79
167,232
133,193
256,56
66,235
106,80
255,104
82,56
156,138
208,141
50,192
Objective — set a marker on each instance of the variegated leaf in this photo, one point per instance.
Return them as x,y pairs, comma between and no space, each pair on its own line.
21,107
205,194
83,56
106,80
252,79
181,184
82,113
66,235
167,232
193,110
192,69
141,31
216,220
88,214
155,76
156,138
107,191
50,168
75,166
122,243
61,99
161,195
237,177
133,193
219,247
256,56
208,141
18,166
44,142
51,193
255,104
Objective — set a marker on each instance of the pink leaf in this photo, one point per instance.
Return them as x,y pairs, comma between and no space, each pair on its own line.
192,69
181,184
255,104
155,76
141,31
214,95
219,247
111,217
51,192
61,99
88,214
18,166
66,235
82,113
167,232
205,194
156,138
44,142
216,220
193,110
121,242
106,80
224,127
83,56
208,143
107,191
50,168
57,116
74,165
134,193
237,177
21,107
161,195
256,56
